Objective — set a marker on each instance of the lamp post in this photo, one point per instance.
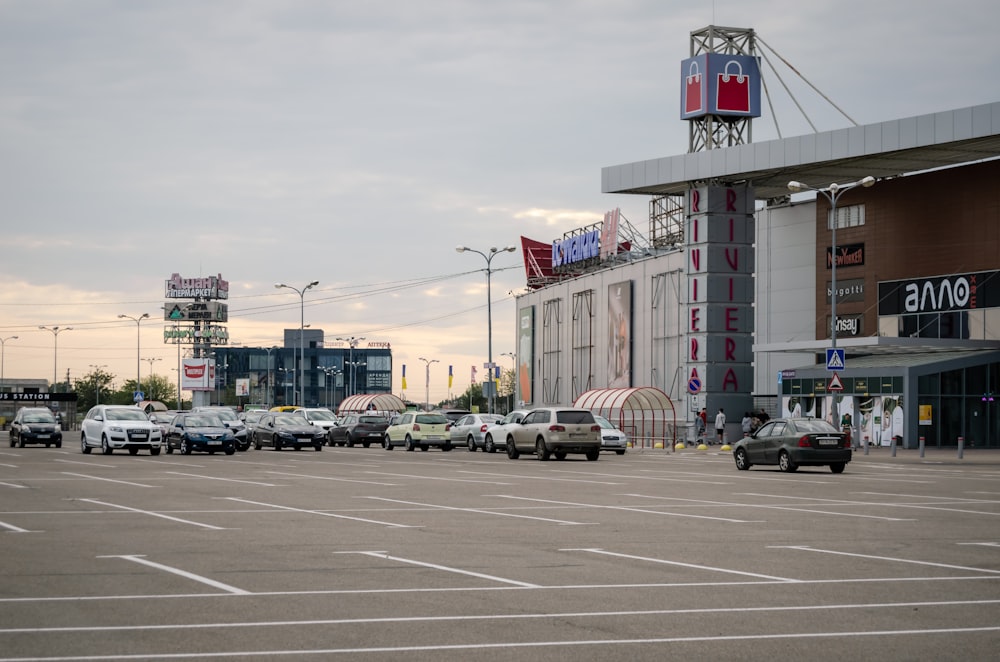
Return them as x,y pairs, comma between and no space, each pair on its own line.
832,193
3,347
302,330
427,379
150,361
269,400
138,336
352,342
55,348
489,309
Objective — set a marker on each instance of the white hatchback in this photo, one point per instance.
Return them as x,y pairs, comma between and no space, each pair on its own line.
119,426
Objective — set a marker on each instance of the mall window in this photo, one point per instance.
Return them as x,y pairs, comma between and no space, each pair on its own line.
847,217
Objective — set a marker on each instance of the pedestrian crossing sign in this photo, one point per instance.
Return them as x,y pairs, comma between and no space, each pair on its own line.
834,358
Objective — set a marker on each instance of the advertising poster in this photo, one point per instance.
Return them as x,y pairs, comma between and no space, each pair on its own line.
525,352
620,335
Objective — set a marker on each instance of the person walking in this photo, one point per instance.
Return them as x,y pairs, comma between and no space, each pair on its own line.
747,424
699,427
720,425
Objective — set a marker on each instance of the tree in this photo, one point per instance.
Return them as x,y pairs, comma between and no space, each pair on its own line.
93,388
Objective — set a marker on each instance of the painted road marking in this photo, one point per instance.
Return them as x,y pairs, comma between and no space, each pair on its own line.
385,555
625,508
477,510
140,558
152,514
594,550
325,514
870,557
110,480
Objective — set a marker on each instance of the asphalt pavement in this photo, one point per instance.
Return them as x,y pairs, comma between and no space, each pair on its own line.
365,554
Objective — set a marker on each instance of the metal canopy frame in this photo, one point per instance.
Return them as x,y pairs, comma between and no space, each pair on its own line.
646,414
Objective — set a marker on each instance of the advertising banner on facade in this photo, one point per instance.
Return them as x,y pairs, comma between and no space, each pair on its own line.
198,374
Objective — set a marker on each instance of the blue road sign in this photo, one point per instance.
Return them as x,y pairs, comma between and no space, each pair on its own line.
835,358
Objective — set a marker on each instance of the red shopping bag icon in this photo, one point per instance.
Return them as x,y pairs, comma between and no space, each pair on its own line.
692,90
733,93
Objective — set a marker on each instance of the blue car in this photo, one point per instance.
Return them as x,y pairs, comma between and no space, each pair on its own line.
199,431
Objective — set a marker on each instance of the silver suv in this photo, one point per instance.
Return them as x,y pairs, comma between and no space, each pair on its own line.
558,431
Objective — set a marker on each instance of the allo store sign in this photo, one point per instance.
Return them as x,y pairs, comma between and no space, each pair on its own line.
720,262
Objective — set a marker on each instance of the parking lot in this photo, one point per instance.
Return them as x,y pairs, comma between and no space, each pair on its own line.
357,553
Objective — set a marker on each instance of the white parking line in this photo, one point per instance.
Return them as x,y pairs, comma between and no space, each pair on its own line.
228,480
338,480
110,480
152,514
594,550
625,508
13,529
637,477
14,486
480,511
89,464
870,557
547,479
325,514
385,555
447,480
140,558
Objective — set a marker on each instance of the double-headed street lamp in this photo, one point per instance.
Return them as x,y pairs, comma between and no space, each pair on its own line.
302,330
55,348
427,379
832,193
138,336
352,342
489,310
3,347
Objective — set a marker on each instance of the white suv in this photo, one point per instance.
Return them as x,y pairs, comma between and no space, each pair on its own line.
119,426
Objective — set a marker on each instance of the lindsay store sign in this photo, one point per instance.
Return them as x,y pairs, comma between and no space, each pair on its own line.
720,263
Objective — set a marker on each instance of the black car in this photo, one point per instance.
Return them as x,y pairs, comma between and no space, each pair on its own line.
792,443
284,430
35,425
198,431
364,429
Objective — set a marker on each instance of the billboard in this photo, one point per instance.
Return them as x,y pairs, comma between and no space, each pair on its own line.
720,84
620,335
198,374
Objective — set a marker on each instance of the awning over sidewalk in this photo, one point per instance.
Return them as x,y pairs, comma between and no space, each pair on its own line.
383,402
645,413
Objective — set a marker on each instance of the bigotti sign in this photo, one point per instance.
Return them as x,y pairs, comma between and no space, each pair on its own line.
940,294
212,287
576,249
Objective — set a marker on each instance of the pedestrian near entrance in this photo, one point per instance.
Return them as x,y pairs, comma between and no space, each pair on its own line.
720,425
747,424
699,427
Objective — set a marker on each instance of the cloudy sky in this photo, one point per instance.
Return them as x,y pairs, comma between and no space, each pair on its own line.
357,143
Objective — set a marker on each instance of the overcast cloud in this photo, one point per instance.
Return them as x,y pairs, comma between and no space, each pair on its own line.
357,143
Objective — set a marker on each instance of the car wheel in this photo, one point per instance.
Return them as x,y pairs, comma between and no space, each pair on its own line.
230,450
471,443
408,443
386,443
621,452
367,444
318,447
447,447
541,451
256,443
838,467
10,436
593,454
350,441
58,444
512,451
154,451
490,448
170,449
20,442
560,455
185,447
424,447
785,462
276,444
84,448
133,451
742,461
105,447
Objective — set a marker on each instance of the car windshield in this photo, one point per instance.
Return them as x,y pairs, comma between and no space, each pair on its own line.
491,418
574,416
288,419
225,414
321,415
813,425
373,420
604,423
39,417
203,421
431,419
126,415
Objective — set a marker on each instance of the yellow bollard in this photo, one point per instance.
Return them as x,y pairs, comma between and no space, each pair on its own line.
726,447
679,446
702,447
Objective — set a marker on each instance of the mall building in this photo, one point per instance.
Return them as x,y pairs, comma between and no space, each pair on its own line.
730,298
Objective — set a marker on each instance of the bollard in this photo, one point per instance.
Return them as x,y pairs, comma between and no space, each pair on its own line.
961,447
921,446
867,445
892,446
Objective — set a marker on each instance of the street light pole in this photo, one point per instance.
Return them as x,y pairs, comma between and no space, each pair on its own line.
269,400
352,342
55,348
489,310
513,381
138,336
302,330
3,348
150,361
97,382
427,379
832,193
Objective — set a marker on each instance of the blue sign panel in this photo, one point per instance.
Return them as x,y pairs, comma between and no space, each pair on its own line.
835,358
720,84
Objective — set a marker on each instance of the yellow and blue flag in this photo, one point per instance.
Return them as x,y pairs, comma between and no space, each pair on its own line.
404,376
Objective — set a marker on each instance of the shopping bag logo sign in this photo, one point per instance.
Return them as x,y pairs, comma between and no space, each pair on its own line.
692,90
733,89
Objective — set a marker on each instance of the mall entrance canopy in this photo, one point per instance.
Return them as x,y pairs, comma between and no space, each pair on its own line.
380,402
